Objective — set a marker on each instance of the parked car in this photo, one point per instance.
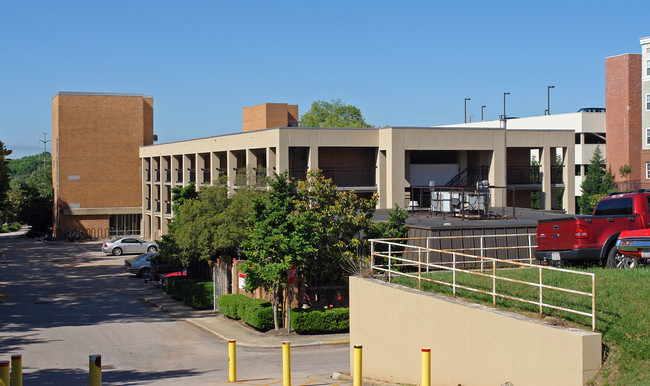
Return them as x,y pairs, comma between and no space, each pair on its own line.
593,238
140,265
633,248
129,245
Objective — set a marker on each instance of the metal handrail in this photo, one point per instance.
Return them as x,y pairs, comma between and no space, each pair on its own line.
424,267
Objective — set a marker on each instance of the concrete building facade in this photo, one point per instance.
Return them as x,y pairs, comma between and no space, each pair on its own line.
96,166
590,132
387,161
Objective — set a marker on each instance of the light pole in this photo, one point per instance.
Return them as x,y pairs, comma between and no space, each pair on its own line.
504,123
482,107
548,99
465,114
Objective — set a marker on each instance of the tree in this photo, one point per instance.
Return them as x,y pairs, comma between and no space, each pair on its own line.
274,242
598,183
335,219
208,226
4,183
333,114
625,171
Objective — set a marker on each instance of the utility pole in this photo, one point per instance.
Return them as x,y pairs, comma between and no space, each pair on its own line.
45,141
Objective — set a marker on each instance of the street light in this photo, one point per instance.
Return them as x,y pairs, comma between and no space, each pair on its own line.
548,100
482,107
504,123
465,114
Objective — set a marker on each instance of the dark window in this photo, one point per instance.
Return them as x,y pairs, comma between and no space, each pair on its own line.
614,206
591,138
578,170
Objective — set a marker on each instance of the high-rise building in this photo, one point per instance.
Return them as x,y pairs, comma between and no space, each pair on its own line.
96,168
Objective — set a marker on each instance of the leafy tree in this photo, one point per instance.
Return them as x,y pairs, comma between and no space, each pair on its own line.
335,220
333,114
625,171
274,242
394,228
4,183
598,183
205,227
534,195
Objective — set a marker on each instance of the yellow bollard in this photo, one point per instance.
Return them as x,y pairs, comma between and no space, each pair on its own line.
4,373
232,360
426,367
95,369
286,363
16,370
358,358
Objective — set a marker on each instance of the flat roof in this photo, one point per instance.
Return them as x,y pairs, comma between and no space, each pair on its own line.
102,93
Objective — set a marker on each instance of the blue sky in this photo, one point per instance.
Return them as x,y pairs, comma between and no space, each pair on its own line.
401,62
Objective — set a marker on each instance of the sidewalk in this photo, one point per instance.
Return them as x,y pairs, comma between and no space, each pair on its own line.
228,329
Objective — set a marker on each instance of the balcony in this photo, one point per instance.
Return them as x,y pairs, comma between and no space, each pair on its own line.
157,174
168,207
298,174
157,206
206,176
192,176
351,177
147,176
168,176
179,177
531,175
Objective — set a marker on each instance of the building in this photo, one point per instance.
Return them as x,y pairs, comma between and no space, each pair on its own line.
645,118
388,161
590,132
96,166
624,134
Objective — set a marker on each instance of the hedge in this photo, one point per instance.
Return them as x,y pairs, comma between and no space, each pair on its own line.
197,294
257,313
314,321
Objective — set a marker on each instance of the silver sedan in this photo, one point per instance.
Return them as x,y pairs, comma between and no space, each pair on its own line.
140,265
129,245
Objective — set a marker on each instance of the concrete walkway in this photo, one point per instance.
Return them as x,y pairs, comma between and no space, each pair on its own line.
228,329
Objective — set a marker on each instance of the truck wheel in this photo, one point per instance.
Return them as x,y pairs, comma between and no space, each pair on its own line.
617,260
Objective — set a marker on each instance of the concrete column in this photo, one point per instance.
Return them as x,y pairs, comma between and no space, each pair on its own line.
569,180
146,233
546,160
231,167
186,167
200,166
175,166
271,162
312,161
282,153
215,165
380,178
395,168
251,165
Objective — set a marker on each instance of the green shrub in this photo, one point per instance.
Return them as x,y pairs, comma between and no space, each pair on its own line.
229,305
197,294
333,320
256,313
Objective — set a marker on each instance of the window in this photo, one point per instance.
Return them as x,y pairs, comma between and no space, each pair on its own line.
647,67
647,102
647,170
647,136
614,206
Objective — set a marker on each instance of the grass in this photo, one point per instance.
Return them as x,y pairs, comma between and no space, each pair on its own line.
622,310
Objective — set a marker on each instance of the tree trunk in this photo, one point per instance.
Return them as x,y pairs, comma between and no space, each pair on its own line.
276,300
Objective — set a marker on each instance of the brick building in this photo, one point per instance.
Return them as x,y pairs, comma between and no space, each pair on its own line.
96,167
628,117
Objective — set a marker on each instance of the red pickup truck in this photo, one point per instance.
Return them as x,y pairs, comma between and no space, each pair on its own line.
593,238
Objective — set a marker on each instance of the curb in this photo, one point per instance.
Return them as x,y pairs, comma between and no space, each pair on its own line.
242,344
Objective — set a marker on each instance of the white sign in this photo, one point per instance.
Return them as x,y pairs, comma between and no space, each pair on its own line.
242,280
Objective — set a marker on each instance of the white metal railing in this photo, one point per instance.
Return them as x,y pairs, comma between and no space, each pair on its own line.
395,250
483,248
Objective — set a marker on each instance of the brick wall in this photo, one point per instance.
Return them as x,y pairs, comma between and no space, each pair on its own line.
96,153
623,117
267,115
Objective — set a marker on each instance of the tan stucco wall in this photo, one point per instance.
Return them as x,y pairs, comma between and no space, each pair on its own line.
470,344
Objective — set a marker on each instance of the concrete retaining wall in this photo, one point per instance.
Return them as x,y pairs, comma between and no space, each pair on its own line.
470,344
